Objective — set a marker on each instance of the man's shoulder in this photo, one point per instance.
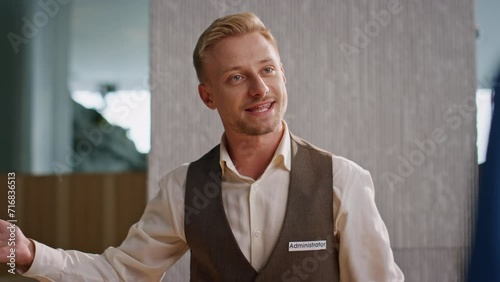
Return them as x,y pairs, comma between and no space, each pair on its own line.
213,153
308,145
343,165
176,175
340,164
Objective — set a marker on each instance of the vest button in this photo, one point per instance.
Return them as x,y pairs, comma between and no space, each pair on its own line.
257,234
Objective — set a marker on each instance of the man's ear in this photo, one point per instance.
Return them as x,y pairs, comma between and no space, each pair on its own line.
283,73
206,96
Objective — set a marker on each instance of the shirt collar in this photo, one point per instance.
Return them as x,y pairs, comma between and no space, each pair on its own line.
282,155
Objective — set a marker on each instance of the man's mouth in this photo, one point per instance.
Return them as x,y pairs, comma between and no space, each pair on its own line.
261,108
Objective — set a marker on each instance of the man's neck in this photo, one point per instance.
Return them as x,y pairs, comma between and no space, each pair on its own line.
252,154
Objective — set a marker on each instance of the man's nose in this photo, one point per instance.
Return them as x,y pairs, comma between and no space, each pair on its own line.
258,87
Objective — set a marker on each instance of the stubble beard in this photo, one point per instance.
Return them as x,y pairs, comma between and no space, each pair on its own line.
263,126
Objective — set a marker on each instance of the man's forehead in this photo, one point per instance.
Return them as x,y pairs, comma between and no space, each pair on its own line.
248,48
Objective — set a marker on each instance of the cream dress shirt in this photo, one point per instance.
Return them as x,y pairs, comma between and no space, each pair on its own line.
255,210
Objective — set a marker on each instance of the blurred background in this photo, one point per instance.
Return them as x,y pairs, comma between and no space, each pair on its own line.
67,70
76,111
75,118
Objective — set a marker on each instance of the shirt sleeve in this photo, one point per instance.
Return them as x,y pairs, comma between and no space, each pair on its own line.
364,248
152,245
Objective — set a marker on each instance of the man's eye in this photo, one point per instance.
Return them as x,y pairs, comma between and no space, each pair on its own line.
268,70
236,77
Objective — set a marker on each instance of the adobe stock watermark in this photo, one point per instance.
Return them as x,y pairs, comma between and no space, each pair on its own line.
94,137
453,118
224,6
364,36
201,199
39,19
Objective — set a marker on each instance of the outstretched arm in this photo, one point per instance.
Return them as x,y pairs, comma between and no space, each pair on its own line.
152,245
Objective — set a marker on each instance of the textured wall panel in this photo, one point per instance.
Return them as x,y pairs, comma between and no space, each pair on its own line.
388,84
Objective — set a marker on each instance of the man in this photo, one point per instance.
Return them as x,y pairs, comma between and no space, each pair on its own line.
264,205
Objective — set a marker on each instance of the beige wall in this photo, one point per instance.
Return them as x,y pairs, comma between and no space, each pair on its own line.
398,100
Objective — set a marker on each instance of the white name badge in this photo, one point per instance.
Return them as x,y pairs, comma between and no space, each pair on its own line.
306,246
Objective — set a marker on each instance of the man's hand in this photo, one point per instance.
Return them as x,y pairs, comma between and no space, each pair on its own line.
24,248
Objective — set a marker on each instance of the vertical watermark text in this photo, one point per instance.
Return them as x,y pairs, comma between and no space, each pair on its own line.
11,213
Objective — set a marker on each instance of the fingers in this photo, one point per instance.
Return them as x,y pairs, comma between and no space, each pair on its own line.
14,246
3,225
7,251
4,252
10,234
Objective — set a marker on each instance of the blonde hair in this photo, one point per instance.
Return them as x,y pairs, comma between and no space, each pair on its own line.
231,25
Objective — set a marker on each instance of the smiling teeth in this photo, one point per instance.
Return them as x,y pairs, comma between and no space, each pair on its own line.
261,109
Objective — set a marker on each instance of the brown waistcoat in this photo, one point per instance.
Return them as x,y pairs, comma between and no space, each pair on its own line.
215,254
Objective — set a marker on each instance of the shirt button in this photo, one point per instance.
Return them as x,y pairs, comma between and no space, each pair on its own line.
257,234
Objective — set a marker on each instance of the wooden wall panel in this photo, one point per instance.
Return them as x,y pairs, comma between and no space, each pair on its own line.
86,212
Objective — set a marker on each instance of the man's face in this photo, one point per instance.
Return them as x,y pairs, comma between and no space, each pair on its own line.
245,82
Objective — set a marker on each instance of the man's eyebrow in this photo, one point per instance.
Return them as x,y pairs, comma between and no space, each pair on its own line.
230,69
266,60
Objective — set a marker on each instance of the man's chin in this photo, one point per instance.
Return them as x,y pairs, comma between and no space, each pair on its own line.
260,130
